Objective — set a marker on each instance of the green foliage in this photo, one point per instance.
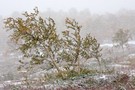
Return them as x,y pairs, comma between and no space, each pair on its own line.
36,37
75,48
121,37
38,40
91,82
72,73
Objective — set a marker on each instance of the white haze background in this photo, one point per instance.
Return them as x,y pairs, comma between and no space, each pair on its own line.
95,6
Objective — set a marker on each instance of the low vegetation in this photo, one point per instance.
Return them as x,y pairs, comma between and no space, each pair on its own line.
59,61
39,42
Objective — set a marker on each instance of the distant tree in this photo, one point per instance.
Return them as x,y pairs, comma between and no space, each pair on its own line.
121,38
38,40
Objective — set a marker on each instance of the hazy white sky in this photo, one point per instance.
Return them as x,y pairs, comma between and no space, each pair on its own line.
95,6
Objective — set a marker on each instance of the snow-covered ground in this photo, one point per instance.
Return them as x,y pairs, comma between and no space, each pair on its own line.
131,42
118,65
131,55
111,44
106,45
